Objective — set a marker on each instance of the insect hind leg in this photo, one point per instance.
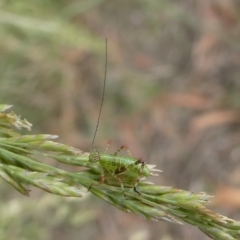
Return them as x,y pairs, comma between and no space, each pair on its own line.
121,148
139,161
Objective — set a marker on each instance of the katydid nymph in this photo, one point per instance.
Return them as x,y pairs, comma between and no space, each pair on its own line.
115,164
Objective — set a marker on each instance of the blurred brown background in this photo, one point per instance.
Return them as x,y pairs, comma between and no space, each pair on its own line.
172,96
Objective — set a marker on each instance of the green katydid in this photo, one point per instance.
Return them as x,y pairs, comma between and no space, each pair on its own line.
116,164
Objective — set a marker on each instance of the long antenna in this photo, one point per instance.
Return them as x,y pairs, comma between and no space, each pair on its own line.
103,94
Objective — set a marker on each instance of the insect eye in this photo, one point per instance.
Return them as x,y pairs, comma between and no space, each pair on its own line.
94,156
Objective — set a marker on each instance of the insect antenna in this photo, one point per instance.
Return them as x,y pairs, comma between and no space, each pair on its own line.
103,94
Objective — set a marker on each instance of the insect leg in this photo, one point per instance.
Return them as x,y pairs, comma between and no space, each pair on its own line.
121,183
108,144
118,172
102,180
121,148
139,161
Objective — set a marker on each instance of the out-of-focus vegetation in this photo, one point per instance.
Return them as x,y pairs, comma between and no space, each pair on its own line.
20,168
172,97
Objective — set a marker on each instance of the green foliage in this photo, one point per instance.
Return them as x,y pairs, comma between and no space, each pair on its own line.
22,166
